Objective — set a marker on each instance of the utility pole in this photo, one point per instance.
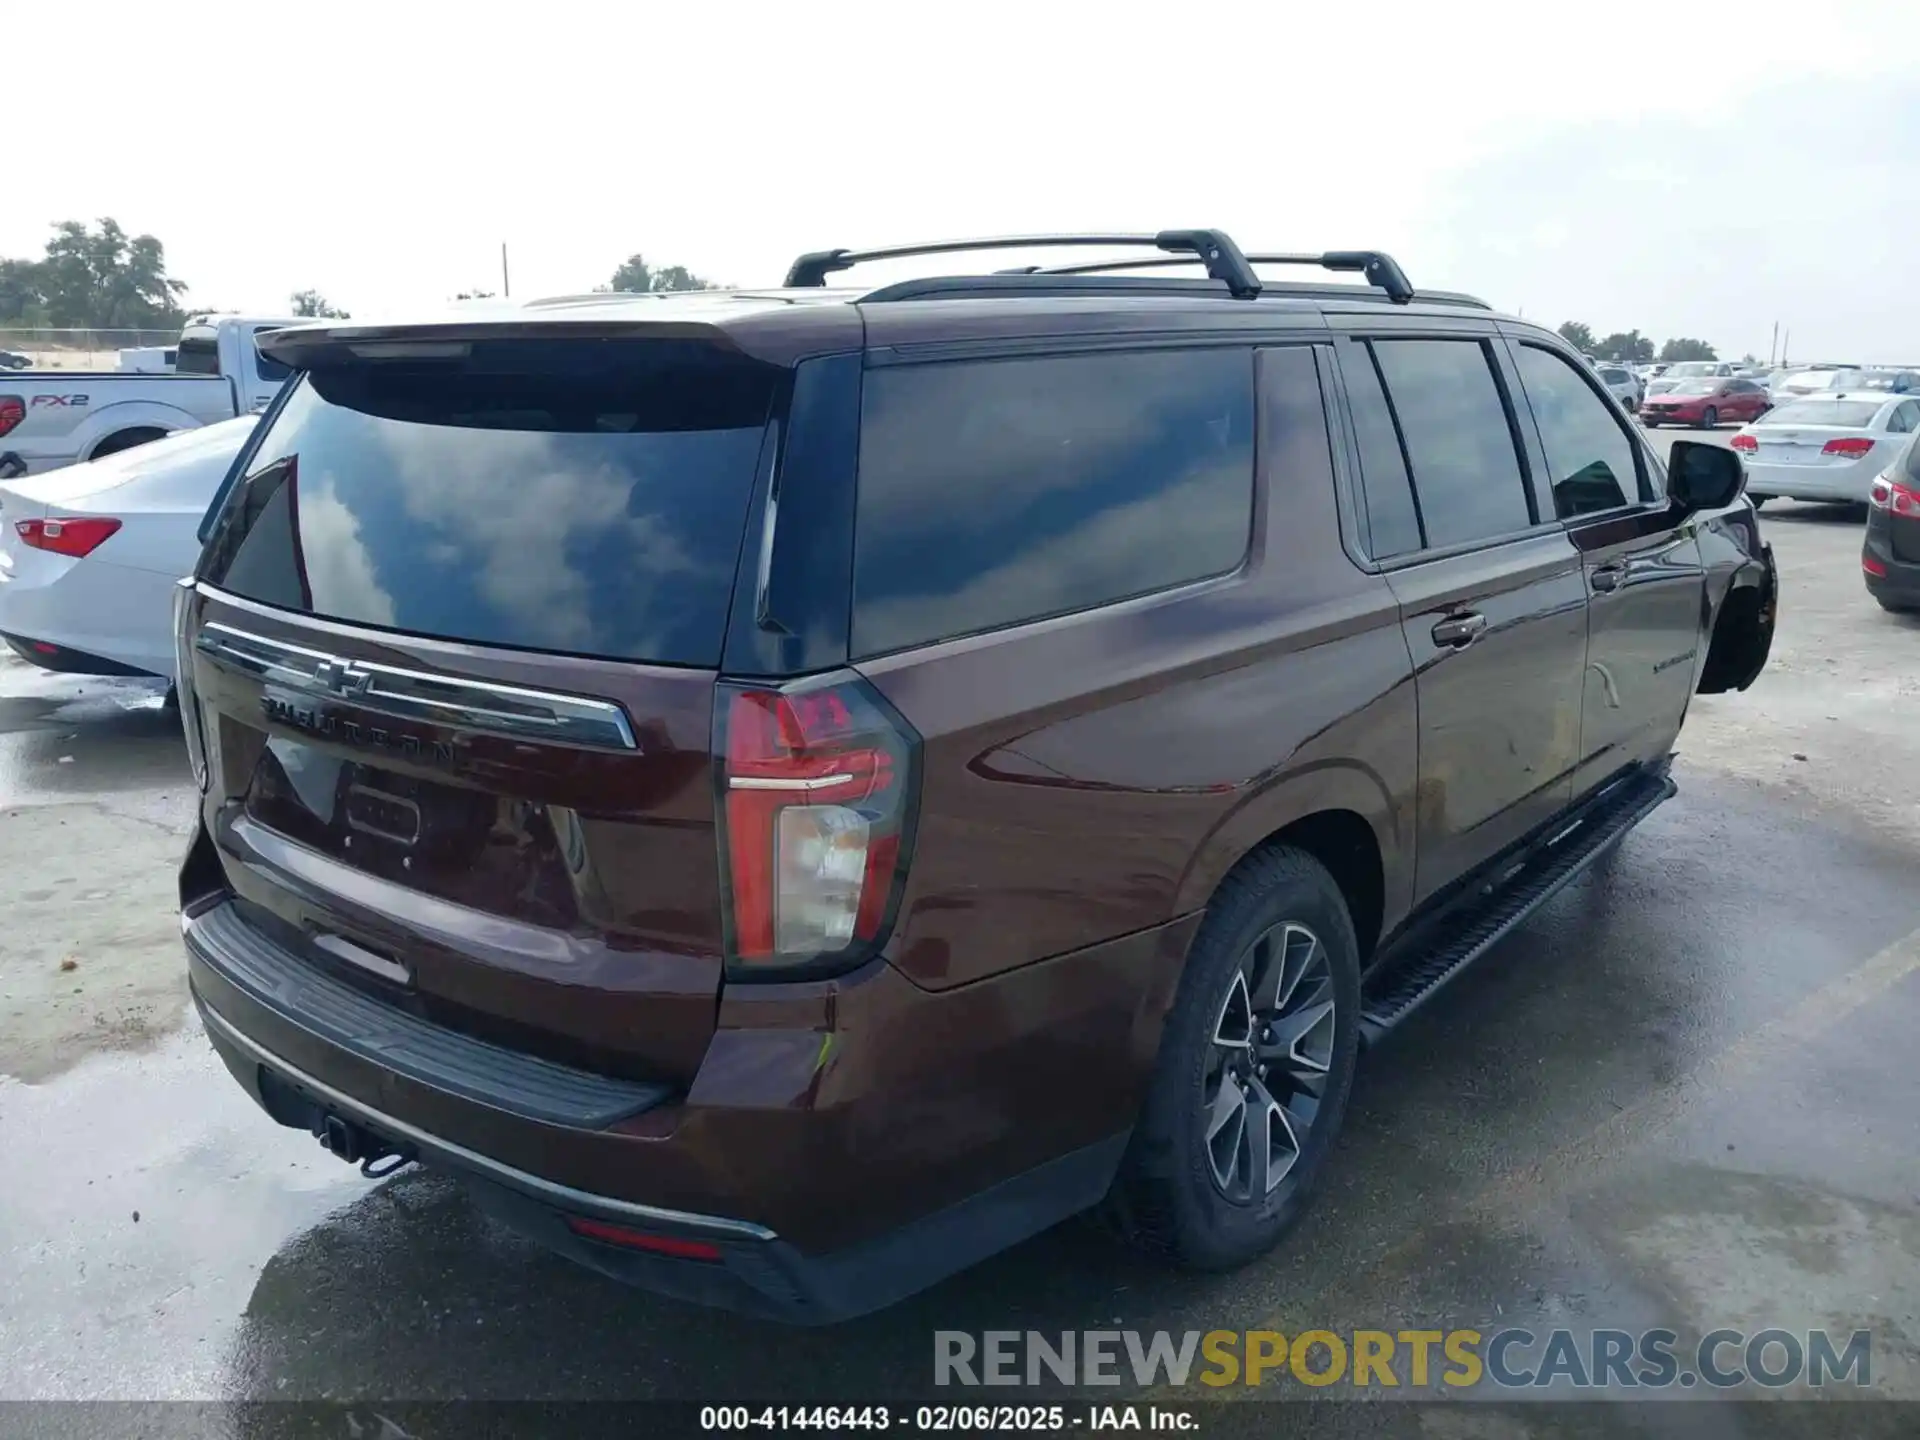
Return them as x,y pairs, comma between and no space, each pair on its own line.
1773,347
505,288
1786,342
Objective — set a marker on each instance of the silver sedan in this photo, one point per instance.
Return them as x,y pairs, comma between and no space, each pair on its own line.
1826,447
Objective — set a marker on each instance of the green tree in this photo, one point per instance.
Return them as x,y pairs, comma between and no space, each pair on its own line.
1578,335
636,277
99,278
1625,347
21,302
1684,348
313,303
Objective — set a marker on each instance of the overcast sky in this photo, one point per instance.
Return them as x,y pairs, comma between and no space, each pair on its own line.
1686,169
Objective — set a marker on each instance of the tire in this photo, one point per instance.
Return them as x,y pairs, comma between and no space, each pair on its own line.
1169,1197
1649,424
1709,418
126,440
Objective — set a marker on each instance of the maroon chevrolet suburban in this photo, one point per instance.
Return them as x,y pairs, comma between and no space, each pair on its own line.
789,792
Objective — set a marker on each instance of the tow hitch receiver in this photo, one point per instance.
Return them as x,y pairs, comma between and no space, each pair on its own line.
357,1145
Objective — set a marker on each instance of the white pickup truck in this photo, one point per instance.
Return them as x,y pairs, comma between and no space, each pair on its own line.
50,418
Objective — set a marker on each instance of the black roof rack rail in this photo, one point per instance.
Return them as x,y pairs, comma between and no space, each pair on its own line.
1033,283
1379,268
1213,248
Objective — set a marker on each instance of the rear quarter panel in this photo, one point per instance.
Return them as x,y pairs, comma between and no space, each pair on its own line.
68,419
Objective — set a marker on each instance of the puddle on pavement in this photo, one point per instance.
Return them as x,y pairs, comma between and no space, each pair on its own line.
168,1193
90,959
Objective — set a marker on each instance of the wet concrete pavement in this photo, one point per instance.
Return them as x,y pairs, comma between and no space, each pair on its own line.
1682,1095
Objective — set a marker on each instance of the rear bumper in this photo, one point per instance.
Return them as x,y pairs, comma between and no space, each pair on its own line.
1898,582
65,660
114,614
818,1205
1846,483
752,1269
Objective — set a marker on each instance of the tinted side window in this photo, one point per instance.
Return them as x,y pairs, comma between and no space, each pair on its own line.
1459,444
1591,459
993,492
269,369
1392,518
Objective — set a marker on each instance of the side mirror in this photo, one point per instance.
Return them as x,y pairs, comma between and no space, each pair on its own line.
1702,476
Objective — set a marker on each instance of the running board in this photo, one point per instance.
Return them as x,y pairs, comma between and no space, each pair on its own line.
1473,930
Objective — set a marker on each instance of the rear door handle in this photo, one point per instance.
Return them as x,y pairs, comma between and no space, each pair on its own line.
1608,577
1458,631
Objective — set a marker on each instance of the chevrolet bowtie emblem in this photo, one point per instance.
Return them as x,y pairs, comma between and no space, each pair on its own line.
342,677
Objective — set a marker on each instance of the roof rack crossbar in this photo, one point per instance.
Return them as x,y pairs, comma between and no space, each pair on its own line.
1213,248
1378,268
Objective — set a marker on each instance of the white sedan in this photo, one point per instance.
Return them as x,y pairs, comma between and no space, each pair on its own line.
1828,447
89,553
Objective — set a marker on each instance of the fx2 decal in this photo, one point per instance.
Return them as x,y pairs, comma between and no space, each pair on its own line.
75,401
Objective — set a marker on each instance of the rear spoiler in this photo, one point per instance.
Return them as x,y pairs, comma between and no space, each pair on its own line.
311,346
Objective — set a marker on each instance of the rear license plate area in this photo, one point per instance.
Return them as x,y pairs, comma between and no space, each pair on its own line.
383,814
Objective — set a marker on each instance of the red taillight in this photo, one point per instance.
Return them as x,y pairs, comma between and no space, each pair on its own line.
674,1245
1895,498
78,537
1745,442
12,411
1872,566
1855,446
817,787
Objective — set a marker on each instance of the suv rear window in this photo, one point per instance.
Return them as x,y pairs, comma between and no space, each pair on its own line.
994,492
540,495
